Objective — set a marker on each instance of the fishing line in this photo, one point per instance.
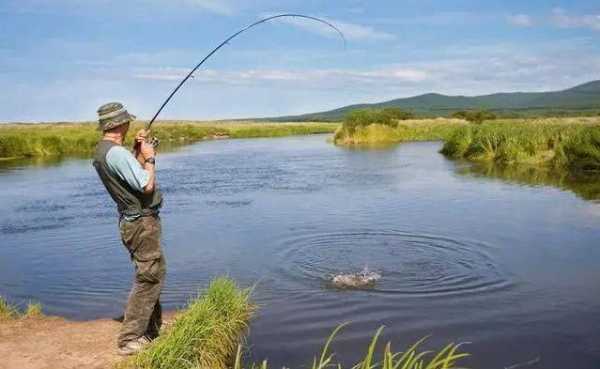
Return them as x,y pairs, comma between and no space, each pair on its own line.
190,74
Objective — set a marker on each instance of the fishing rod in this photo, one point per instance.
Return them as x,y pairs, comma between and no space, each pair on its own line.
191,73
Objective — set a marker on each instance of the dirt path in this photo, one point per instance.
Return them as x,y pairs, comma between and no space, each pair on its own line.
55,343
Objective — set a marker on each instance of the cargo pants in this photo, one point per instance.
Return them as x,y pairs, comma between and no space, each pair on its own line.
143,315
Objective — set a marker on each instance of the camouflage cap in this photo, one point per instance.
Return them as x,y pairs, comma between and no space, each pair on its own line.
112,115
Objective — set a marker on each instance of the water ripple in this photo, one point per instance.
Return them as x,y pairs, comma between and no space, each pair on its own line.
411,264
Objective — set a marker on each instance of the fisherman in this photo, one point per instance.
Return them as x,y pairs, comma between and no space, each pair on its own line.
129,178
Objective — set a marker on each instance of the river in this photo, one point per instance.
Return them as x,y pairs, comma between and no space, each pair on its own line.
512,268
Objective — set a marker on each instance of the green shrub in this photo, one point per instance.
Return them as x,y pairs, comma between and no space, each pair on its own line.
474,116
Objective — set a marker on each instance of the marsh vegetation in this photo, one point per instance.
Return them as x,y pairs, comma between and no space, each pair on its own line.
566,143
70,139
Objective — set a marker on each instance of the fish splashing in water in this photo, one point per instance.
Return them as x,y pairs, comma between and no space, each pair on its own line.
363,279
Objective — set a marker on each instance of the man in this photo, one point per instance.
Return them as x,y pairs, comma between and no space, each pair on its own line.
130,180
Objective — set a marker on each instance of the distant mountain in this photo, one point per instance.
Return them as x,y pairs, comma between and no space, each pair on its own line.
582,99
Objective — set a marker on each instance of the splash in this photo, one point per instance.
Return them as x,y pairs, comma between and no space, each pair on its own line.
363,279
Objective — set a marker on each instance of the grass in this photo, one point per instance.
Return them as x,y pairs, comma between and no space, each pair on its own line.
79,139
568,143
574,145
205,335
7,311
400,131
446,358
10,312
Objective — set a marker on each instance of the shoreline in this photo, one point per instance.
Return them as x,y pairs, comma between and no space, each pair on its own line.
34,141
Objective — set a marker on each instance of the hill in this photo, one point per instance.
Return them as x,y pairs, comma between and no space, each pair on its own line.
579,100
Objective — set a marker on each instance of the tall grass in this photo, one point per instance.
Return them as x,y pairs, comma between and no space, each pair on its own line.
205,335
10,312
446,358
64,139
400,131
7,311
573,146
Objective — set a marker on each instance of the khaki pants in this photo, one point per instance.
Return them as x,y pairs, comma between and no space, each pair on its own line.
143,315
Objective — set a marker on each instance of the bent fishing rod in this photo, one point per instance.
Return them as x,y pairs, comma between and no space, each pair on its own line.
191,73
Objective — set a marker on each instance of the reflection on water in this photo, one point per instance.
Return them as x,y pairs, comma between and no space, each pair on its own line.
512,268
40,162
584,185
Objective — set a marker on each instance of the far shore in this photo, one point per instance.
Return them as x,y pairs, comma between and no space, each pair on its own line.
34,140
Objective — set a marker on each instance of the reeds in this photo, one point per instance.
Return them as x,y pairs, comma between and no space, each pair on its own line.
10,312
79,139
573,146
399,131
446,358
205,335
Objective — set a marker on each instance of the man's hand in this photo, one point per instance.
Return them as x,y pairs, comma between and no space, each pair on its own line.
141,136
147,150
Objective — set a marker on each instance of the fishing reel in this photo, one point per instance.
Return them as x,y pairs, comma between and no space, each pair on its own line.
153,141
149,140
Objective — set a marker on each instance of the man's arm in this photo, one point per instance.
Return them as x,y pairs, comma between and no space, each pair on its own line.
148,154
140,137
140,177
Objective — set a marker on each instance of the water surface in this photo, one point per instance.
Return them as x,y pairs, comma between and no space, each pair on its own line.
464,255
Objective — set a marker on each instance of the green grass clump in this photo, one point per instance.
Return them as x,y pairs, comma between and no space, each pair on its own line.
205,335
575,145
400,131
9,312
365,117
582,150
446,358
80,139
33,310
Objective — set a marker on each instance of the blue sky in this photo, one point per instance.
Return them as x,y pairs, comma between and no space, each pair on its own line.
61,59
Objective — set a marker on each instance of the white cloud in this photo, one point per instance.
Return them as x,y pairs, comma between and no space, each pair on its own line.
561,19
120,8
352,31
312,77
222,7
521,20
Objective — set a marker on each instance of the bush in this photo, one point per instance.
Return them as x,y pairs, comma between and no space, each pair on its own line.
365,117
398,114
474,116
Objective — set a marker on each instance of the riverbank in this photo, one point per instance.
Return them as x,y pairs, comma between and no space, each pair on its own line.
79,139
208,333
401,131
205,334
567,143
572,144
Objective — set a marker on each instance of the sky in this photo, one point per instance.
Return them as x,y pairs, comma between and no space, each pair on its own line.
61,59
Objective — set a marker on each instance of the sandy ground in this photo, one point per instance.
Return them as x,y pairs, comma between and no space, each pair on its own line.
55,343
